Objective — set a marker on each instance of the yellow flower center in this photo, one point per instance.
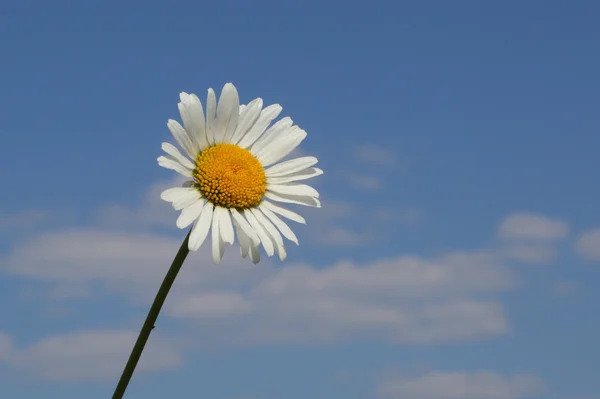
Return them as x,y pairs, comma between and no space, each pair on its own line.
230,176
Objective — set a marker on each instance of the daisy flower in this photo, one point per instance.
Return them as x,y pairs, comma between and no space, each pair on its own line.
233,160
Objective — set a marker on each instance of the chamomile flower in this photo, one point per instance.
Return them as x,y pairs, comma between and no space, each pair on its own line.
233,158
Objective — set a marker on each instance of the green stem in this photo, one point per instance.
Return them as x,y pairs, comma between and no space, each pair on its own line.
148,326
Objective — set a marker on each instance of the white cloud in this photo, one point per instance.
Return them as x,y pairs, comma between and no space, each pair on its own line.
460,385
308,320
78,254
87,355
402,276
588,244
526,225
364,181
531,253
376,155
131,263
408,299
531,238
400,299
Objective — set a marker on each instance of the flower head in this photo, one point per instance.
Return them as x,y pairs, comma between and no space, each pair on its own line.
232,158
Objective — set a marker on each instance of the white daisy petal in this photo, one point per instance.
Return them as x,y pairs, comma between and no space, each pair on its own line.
293,189
197,114
188,184
269,227
281,147
182,137
242,107
221,245
254,253
248,118
216,237
180,197
187,201
281,252
228,112
266,117
201,227
226,227
176,193
189,214
245,226
189,127
169,162
280,224
301,175
246,246
192,115
286,213
174,152
272,232
291,166
294,199
211,110
221,248
264,238
243,240
280,127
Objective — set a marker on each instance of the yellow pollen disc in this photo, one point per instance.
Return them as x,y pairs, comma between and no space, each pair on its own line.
230,176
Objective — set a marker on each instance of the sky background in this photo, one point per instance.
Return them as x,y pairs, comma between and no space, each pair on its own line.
457,253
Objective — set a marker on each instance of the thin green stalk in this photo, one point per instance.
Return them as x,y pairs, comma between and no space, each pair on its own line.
148,326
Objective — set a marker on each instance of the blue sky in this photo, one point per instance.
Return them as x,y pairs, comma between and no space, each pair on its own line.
457,253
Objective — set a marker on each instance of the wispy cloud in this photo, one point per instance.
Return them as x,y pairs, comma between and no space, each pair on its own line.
527,225
407,299
531,253
364,181
85,355
460,385
393,300
588,244
376,156
531,238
